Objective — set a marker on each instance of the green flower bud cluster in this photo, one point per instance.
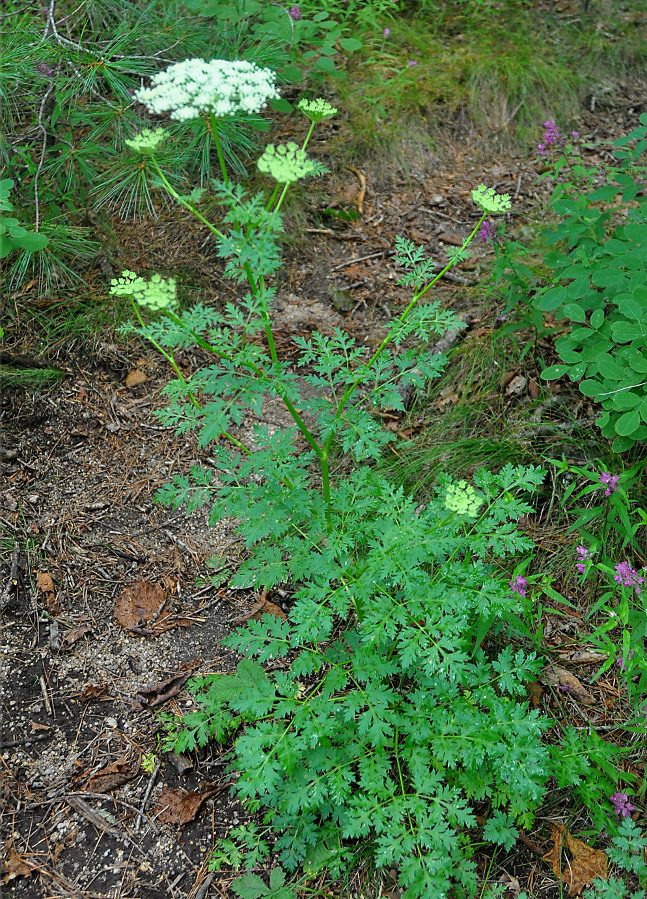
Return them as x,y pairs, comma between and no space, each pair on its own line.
317,110
463,499
287,163
490,202
147,142
156,294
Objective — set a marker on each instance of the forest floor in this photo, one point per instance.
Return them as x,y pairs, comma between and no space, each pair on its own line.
113,610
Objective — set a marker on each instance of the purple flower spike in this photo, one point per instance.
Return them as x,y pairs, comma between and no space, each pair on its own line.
386,32
610,481
627,576
518,585
295,13
487,231
621,804
575,135
581,567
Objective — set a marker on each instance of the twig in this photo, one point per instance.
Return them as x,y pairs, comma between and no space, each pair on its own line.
202,892
5,597
361,177
341,265
25,741
140,816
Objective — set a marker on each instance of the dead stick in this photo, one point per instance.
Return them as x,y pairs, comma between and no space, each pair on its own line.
13,578
140,816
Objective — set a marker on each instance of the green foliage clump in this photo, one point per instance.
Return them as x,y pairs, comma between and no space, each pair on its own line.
595,280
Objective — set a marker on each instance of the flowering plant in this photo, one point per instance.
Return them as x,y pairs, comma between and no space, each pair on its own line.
385,719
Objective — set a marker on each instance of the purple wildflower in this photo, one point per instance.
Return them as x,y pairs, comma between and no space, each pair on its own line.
610,481
627,576
551,136
412,63
386,32
44,69
518,585
621,662
295,13
487,231
582,555
575,135
621,804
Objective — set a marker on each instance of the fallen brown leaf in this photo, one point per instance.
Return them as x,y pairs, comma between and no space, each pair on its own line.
135,377
36,726
535,692
559,677
586,865
262,607
45,584
162,691
179,807
112,776
137,605
451,238
75,634
13,865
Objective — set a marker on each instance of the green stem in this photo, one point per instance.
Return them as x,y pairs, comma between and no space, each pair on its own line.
283,193
171,360
389,337
176,196
273,196
216,140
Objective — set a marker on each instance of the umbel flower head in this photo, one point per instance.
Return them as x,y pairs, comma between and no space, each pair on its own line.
317,110
188,88
463,499
489,201
147,142
287,163
156,294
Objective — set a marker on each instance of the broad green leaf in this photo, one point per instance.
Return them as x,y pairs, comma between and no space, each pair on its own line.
292,73
281,105
597,318
575,312
250,886
627,423
350,44
608,277
554,371
553,298
625,331
579,288
590,387
625,400
631,309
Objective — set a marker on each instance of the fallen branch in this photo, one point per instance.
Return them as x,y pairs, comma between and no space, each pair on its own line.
12,583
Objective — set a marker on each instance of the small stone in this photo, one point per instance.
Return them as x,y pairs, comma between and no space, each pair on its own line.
111,722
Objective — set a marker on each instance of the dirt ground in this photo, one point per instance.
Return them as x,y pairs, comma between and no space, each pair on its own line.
110,606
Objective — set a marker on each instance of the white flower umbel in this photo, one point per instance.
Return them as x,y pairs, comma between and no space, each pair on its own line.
147,142
287,163
188,88
156,294
489,201
317,110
